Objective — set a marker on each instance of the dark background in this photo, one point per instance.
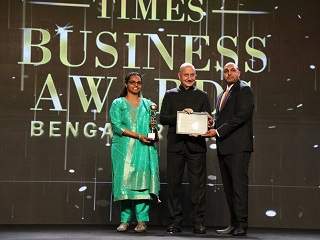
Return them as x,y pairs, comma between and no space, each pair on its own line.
36,186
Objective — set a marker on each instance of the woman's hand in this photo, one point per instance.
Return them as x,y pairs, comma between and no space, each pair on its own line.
144,139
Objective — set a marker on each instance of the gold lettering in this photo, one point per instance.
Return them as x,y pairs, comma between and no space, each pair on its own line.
36,128
132,50
162,50
53,96
107,49
53,129
195,9
90,133
64,48
27,46
225,51
170,9
256,53
144,10
73,129
94,94
189,52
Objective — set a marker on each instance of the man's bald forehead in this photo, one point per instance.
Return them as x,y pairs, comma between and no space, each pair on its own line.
231,64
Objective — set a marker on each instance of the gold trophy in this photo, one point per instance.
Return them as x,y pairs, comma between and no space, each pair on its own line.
153,134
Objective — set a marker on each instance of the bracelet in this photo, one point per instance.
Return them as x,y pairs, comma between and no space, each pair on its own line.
139,137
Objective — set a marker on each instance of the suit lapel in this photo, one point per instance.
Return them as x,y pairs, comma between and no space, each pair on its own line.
231,92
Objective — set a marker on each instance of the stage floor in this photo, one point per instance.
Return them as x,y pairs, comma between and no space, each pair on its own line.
85,232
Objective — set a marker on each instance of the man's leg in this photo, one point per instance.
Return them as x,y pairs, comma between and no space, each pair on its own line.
197,173
240,165
175,169
225,162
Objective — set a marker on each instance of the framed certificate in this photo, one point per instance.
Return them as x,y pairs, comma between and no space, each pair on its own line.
194,123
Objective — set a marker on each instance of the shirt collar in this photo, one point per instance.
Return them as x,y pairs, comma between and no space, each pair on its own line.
229,87
189,89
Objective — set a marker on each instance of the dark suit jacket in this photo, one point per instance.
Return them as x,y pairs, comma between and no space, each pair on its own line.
177,99
234,121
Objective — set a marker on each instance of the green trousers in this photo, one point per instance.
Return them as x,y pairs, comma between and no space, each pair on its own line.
139,208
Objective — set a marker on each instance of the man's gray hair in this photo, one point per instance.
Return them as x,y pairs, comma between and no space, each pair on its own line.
184,65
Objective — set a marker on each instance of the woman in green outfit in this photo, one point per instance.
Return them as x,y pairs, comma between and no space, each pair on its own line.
135,169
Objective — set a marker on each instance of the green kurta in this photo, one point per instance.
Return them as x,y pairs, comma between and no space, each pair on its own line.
135,169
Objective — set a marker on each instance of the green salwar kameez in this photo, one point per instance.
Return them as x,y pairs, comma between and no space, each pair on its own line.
135,169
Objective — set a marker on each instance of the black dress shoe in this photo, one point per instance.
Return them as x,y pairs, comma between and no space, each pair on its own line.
239,231
172,229
228,230
199,229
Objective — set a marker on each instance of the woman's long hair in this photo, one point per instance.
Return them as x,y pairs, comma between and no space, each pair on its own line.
124,90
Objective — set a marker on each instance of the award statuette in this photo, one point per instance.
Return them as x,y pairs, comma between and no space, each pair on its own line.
152,135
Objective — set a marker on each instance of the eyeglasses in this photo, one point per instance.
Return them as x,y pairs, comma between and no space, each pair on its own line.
139,83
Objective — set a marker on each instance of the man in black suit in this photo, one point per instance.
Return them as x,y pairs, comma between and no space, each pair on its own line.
184,150
234,138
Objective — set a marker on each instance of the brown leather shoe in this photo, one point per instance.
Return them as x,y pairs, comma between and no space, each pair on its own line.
123,227
141,227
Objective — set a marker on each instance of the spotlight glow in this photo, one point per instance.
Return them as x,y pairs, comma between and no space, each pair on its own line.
213,146
212,177
72,171
161,29
271,213
312,66
82,189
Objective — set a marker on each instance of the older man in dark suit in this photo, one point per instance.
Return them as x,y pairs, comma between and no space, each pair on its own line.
234,137
184,150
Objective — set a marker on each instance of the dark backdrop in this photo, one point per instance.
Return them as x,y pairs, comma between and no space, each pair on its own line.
63,180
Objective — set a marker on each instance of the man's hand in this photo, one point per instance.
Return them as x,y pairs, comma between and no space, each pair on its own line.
188,110
210,133
194,135
210,120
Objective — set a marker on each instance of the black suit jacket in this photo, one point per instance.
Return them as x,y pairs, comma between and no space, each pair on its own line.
234,121
177,99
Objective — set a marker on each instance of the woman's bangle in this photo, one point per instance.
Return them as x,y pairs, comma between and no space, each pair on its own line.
139,137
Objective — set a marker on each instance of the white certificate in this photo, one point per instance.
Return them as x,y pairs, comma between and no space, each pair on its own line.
194,123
